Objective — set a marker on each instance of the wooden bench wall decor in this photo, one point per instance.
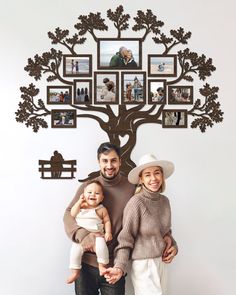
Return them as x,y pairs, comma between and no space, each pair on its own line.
57,169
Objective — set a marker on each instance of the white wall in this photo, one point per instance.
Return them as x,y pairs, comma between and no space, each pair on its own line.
34,247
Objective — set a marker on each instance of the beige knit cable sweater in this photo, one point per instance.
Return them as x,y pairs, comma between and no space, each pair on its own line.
146,219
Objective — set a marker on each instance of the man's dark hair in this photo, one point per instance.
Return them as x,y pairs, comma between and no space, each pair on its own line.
106,147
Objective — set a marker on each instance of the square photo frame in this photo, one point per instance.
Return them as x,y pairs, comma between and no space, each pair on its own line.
63,118
77,65
59,94
174,118
180,94
121,54
162,65
83,91
156,91
106,88
133,87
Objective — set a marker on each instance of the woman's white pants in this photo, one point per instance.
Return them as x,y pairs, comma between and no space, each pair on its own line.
149,276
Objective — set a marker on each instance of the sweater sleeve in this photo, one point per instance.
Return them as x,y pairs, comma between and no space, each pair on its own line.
169,233
74,232
126,238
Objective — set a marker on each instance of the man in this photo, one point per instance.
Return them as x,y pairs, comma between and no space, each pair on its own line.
117,60
117,191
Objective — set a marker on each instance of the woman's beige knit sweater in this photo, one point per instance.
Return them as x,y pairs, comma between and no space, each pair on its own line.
146,219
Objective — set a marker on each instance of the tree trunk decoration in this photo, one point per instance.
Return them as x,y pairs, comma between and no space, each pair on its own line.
121,120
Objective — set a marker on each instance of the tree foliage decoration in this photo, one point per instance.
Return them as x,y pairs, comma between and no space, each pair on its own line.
30,112
147,21
89,23
60,37
120,20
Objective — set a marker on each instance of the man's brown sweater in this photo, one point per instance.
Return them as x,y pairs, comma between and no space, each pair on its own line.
146,219
117,192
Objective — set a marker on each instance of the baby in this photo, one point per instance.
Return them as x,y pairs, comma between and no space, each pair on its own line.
90,214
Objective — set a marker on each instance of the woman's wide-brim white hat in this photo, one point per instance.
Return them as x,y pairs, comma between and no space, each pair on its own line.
149,160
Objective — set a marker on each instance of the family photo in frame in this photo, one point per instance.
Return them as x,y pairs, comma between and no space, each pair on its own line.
133,85
77,66
162,65
125,53
174,118
59,94
180,94
65,118
156,91
83,91
106,88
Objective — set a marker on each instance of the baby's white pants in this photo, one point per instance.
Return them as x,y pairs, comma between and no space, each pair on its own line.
76,253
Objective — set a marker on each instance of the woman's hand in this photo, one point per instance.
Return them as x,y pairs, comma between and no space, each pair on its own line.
169,254
168,242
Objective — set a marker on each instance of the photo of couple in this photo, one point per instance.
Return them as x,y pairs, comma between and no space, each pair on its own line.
174,119
119,54
106,90
180,94
123,58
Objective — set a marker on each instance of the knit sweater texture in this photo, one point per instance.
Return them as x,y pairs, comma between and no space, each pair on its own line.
117,193
146,219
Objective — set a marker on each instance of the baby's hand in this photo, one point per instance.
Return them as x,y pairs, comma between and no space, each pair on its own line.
82,198
108,237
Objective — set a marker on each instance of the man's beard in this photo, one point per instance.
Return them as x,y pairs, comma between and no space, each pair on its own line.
109,178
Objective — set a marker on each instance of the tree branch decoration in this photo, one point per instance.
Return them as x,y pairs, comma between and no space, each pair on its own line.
121,120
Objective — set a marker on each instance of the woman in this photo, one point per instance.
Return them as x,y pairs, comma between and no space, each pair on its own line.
146,230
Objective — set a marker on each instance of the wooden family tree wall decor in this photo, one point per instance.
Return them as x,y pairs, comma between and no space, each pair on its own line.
120,89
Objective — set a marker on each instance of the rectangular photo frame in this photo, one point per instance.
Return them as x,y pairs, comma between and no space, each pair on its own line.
162,65
63,118
120,54
106,87
156,91
77,65
180,94
174,118
59,95
133,87
83,91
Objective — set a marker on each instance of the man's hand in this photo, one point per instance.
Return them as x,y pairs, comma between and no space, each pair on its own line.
112,274
88,243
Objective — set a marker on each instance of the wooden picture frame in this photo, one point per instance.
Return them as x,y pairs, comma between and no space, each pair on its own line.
162,65
174,118
82,91
63,118
77,65
157,91
133,87
119,54
59,95
180,94
106,87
